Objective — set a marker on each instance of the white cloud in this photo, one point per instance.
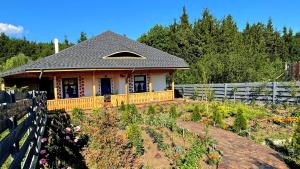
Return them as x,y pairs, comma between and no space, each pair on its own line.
10,29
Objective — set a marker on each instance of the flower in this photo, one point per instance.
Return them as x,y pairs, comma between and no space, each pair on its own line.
43,140
43,152
77,128
69,167
76,139
43,161
68,138
68,130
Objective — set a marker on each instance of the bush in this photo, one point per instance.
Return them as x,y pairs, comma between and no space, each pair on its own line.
173,112
191,159
133,132
196,116
240,122
77,114
122,107
130,116
157,138
96,110
218,116
62,143
151,110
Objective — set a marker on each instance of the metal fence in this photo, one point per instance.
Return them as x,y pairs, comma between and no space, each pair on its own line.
22,124
269,92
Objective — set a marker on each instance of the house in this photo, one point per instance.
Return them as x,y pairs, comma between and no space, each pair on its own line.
106,69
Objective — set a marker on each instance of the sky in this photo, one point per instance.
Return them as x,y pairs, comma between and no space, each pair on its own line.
44,20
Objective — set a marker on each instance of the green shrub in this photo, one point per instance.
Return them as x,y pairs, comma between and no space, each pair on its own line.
157,138
96,110
130,116
240,122
77,114
173,112
218,116
133,133
191,159
122,107
196,115
151,110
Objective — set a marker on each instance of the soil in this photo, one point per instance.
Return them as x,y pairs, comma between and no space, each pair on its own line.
153,158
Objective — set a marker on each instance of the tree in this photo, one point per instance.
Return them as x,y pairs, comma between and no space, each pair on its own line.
82,37
16,61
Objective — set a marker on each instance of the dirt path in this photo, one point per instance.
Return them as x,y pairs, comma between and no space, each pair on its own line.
239,152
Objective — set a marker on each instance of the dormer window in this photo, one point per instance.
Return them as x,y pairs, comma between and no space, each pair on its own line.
124,55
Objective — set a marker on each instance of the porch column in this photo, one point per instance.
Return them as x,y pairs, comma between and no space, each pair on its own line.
173,84
94,89
126,92
150,90
55,87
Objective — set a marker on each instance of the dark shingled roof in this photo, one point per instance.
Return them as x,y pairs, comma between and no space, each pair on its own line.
91,54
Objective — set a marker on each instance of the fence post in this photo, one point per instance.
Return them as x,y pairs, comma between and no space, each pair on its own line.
274,92
225,90
13,123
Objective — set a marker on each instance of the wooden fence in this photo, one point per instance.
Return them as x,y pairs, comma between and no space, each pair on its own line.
22,125
269,92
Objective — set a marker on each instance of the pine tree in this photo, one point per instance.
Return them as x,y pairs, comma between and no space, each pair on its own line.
82,37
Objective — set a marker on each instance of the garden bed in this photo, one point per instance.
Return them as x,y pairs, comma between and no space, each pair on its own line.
147,136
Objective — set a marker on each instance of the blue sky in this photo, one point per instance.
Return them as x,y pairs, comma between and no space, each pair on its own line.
43,20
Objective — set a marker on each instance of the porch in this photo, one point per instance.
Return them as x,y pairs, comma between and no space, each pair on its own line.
96,89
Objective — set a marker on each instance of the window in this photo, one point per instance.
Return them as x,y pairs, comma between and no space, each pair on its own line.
140,83
70,87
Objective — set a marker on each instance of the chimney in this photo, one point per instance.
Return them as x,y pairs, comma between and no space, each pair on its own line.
55,41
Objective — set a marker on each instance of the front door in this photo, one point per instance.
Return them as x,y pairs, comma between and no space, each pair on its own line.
105,86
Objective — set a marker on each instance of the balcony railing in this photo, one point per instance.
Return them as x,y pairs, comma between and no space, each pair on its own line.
98,101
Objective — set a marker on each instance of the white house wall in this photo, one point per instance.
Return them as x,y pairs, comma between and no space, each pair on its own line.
159,81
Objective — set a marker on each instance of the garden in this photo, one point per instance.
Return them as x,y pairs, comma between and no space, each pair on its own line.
148,136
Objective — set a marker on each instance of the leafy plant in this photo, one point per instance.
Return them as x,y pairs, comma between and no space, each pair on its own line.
218,116
195,94
196,116
151,110
157,138
130,116
122,107
240,122
62,143
191,159
77,115
133,132
173,112
96,110
296,141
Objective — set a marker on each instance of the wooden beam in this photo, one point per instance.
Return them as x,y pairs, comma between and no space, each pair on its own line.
173,86
150,90
126,91
55,87
94,88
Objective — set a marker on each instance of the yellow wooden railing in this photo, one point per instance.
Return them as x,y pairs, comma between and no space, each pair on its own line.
98,101
81,103
138,98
